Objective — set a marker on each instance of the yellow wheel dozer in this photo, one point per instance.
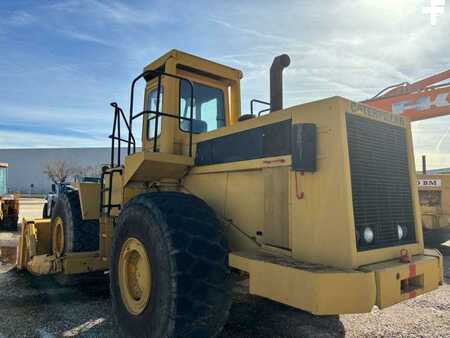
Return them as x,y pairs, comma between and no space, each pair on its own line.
316,204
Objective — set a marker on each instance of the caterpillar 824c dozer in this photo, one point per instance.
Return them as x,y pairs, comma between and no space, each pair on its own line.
315,203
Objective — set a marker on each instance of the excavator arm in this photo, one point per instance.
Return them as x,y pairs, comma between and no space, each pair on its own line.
420,100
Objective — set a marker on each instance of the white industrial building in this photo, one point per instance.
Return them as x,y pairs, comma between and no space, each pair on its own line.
27,166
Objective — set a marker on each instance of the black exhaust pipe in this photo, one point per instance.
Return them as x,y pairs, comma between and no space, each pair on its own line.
424,165
276,81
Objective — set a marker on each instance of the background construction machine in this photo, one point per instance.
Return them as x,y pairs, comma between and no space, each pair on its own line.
61,188
422,100
434,198
9,203
295,199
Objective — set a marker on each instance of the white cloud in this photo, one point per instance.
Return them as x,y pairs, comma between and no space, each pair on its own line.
82,36
19,18
12,139
352,48
253,32
110,11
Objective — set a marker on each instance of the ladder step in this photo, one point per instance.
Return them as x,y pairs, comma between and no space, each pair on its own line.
110,206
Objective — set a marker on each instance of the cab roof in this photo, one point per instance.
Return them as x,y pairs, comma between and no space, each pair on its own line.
197,64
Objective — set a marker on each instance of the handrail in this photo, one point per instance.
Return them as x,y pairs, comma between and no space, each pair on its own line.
261,102
130,140
150,75
118,114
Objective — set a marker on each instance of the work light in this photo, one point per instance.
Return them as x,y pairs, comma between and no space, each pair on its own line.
400,231
368,235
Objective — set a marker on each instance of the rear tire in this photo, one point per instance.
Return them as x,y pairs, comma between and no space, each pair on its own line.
190,282
434,238
9,222
78,235
74,234
45,211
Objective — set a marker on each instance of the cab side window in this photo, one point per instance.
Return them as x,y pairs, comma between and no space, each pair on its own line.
208,110
151,104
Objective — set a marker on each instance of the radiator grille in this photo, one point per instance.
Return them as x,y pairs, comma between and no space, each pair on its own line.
380,181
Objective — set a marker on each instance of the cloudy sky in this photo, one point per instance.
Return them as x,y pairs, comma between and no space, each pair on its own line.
62,62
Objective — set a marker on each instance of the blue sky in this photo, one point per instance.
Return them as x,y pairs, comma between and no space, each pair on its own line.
62,62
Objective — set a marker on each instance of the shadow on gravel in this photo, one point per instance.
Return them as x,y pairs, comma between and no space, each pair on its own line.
32,290
83,309
252,316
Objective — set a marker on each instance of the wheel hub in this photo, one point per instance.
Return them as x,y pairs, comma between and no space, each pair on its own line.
58,237
134,276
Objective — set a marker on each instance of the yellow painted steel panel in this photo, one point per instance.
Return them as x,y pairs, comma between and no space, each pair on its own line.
212,187
323,229
398,281
245,201
89,200
318,289
276,206
322,219
326,290
148,166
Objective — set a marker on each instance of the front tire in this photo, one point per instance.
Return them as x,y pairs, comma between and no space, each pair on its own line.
11,216
70,232
434,238
169,268
45,210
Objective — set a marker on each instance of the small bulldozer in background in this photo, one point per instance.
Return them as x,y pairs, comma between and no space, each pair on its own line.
434,197
9,203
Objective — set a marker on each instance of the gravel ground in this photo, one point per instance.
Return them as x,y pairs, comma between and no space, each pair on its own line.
38,307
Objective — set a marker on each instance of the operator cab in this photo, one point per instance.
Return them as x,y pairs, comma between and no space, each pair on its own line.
210,91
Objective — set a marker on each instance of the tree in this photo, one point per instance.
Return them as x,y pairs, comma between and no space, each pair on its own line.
59,171
87,171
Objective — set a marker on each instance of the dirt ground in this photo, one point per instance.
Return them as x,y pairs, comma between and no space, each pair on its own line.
39,307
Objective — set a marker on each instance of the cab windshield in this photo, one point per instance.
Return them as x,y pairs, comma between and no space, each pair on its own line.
208,110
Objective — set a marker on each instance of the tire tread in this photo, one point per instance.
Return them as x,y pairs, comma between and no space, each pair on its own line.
200,275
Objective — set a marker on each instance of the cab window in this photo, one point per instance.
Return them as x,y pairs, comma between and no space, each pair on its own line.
208,110
151,105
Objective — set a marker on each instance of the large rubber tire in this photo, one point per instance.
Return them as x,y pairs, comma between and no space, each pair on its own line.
191,283
434,238
45,211
11,219
79,235
9,223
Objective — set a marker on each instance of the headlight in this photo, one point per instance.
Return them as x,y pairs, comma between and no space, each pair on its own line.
405,231
400,231
368,235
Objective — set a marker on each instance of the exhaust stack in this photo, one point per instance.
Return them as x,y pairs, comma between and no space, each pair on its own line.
424,165
276,81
